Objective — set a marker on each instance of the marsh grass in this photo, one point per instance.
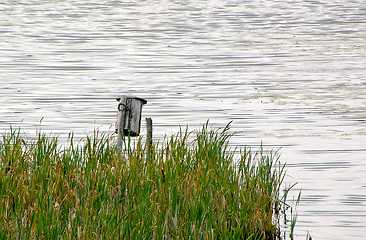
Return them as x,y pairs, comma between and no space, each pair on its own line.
191,186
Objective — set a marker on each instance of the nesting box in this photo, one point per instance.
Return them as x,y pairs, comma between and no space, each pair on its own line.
129,115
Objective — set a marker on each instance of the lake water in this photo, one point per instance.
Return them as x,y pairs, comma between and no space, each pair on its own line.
289,74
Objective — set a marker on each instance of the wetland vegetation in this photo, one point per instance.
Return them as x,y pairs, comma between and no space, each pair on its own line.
192,185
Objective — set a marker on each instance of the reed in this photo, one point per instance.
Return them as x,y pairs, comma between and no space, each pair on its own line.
193,185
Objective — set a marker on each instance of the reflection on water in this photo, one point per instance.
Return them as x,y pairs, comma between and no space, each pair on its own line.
288,73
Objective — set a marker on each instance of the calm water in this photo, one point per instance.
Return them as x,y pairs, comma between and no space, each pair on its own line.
288,73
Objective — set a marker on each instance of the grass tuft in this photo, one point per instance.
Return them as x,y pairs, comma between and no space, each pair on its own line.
193,185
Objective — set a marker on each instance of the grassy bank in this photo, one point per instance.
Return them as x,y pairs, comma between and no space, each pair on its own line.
191,186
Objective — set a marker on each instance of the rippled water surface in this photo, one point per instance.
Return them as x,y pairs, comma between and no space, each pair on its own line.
288,73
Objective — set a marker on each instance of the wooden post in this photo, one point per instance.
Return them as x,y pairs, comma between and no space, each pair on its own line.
149,134
121,118
128,117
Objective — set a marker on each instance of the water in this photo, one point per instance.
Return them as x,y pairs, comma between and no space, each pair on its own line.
290,74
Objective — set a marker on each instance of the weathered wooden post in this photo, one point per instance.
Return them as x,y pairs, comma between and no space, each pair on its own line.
128,117
149,135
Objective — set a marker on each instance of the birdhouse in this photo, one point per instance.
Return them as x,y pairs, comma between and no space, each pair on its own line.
129,116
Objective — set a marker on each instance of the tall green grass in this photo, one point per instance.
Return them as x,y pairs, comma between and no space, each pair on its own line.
191,186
